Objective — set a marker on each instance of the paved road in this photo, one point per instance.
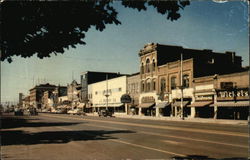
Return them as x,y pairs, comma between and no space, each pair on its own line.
54,136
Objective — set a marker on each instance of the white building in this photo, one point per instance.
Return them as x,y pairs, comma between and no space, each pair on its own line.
108,94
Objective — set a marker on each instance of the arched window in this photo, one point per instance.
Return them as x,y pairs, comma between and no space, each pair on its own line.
147,66
153,85
142,68
163,84
153,65
186,81
173,82
148,85
142,87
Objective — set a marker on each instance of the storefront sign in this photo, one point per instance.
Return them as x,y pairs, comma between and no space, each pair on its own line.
233,94
148,99
203,97
126,98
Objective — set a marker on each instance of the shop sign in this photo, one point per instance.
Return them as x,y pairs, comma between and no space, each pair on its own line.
148,99
233,94
203,97
126,98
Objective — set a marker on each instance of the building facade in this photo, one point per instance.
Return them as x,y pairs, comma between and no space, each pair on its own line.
165,77
222,96
133,88
107,94
74,93
37,92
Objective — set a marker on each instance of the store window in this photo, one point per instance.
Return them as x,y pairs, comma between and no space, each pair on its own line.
173,82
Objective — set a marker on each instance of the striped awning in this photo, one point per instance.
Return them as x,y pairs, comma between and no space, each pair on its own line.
200,104
231,104
162,105
145,105
178,103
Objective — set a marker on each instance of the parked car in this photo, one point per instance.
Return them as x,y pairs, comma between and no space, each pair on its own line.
32,111
46,110
61,111
76,112
18,112
105,113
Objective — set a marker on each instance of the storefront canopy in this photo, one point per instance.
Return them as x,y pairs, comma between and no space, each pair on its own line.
162,105
81,105
231,104
200,104
178,103
112,106
145,105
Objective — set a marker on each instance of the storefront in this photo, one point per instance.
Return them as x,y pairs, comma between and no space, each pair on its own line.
177,110
232,103
164,108
147,106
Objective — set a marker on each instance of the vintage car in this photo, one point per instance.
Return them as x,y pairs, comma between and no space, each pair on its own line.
76,112
18,112
32,111
105,113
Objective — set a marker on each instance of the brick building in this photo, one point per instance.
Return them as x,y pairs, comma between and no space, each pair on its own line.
160,74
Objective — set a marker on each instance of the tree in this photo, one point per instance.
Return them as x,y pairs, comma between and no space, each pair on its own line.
43,28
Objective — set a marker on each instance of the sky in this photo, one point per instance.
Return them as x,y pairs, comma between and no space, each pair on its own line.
203,25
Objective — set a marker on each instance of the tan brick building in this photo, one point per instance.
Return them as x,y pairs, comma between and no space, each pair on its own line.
160,74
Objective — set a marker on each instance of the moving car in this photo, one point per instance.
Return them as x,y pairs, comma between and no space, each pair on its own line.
105,113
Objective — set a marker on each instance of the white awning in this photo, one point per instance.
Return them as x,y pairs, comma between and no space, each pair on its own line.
232,104
162,105
200,104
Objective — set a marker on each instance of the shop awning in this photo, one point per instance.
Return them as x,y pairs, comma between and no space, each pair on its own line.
145,105
162,105
200,104
231,104
81,105
112,106
178,103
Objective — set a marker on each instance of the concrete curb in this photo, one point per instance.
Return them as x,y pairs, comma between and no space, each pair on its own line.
195,120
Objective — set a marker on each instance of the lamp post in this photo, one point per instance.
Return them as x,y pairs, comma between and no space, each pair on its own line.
107,95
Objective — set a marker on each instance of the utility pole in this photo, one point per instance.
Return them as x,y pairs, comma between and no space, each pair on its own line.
182,109
107,95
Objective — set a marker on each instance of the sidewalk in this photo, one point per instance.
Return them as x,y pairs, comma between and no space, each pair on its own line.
197,120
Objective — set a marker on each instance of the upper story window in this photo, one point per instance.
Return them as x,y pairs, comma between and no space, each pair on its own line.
173,82
142,68
153,65
142,87
147,66
153,85
186,81
148,86
163,84
120,89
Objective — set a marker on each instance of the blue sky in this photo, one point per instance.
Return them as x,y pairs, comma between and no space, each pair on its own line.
203,25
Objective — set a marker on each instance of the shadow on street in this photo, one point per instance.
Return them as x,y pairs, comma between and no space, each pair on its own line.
201,157
18,137
8,122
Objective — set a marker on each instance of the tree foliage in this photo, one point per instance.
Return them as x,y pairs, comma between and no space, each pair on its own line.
43,28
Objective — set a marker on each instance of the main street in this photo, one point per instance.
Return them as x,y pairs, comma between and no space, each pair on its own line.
58,136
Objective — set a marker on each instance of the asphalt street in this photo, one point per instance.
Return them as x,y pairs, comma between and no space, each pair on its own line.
72,137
